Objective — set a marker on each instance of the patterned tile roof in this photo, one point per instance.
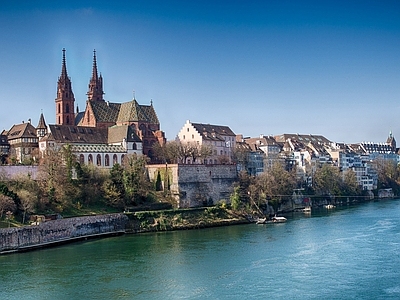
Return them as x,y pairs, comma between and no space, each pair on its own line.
105,111
134,112
97,148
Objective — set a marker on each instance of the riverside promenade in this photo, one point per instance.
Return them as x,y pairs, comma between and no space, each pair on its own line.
60,231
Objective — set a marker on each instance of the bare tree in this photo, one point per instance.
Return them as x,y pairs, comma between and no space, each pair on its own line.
27,203
6,204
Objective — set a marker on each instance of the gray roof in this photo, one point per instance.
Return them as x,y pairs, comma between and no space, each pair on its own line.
117,133
213,132
77,134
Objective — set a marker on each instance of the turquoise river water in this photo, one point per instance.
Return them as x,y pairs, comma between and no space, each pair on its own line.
345,253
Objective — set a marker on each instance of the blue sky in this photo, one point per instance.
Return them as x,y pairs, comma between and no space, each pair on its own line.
259,67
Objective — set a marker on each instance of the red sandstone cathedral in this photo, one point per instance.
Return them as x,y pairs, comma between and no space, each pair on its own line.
141,120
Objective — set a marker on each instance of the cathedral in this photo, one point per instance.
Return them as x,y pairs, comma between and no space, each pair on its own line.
109,129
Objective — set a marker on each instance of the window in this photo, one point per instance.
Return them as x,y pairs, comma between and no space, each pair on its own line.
81,159
67,120
188,129
106,160
90,159
183,136
98,160
192,136
59,108
67,108
115,159
134,147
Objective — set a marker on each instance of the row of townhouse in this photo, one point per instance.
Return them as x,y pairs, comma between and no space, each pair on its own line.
307,152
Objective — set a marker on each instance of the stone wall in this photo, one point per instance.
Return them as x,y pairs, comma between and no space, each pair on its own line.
60,231
9,172
196,185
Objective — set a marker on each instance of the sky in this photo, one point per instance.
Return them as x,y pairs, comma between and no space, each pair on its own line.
330,68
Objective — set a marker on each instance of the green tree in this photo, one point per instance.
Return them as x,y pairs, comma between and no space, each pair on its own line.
135,179
327,181
276,185
350,185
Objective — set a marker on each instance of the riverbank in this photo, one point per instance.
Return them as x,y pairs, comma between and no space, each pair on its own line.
58,232
182,219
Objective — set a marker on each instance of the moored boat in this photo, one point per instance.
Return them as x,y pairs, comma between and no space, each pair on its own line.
261,221
330,206
278,219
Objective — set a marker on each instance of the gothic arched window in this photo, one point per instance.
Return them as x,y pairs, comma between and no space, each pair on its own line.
115,159
106,160
98,160
90,159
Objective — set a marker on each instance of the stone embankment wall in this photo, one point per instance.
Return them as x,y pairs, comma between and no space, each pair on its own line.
60,231
196,185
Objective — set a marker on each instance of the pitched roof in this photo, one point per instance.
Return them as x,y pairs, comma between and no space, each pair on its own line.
213,132
132,112
305,138
25,130
79,117
105,111
42,122
78,134
116,134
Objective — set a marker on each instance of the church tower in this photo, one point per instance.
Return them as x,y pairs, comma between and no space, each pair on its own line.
65,100
95,92
41,129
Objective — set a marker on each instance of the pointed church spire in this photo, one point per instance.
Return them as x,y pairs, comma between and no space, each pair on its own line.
64,66
94,70
95,92
65,97
41,129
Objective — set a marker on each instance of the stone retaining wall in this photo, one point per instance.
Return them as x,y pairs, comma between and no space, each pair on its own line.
60,231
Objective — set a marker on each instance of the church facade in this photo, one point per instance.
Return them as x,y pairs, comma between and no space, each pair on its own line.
110,130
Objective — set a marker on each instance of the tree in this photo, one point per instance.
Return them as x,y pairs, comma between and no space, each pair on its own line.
179,152
327,181
27,204
350,185
55,179
388,174
276,185
135,179
6,204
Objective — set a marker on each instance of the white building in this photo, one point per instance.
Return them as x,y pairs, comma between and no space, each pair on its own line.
221,140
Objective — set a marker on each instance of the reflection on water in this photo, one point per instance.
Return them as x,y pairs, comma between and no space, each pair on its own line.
350,253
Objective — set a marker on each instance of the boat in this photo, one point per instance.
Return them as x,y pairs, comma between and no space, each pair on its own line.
307,209
330,206
261,221
278,219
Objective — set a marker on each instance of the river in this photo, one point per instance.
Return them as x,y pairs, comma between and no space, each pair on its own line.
344,253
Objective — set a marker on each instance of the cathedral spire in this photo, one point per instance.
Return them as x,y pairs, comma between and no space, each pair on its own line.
95,92
64,66
65,97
